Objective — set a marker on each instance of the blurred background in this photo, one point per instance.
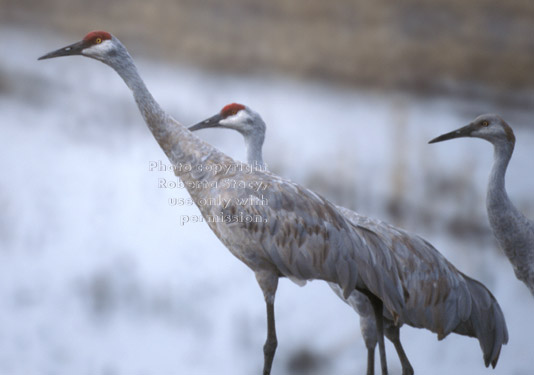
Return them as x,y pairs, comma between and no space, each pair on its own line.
97,276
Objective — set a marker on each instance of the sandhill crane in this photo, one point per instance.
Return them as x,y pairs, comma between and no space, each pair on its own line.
410,250
297,234
513,231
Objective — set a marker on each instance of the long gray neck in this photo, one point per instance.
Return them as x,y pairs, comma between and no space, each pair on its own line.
155,117
497,200
254,145
178,143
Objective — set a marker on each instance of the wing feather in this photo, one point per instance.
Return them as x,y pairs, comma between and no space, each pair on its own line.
306,237
437,295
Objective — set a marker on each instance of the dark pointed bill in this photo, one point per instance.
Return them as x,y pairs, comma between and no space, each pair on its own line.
212,122
458,133
73,49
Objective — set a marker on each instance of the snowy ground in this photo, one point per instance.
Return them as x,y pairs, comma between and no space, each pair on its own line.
97,276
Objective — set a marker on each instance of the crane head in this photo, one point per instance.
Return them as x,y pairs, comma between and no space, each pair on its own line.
234,116
489,127
96,44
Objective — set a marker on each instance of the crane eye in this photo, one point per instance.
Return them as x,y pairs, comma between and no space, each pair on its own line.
98,40
485,123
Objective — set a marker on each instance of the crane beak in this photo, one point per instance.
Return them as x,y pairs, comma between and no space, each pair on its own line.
458,133
212,122
73,49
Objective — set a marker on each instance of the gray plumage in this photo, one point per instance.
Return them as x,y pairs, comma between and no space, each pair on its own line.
298,234
437,296
250,124
513,231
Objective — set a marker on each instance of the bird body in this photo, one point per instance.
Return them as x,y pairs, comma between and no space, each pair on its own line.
513,231
437,296
299,234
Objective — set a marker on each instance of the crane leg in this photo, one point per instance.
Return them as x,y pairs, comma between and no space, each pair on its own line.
368,329
371,361
271,343
378,309
268,281
393,334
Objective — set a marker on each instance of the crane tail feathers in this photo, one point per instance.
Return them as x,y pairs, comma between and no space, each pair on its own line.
486,322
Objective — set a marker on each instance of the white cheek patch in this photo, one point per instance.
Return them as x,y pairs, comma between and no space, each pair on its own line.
239,118
98,49
489,132
498,131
